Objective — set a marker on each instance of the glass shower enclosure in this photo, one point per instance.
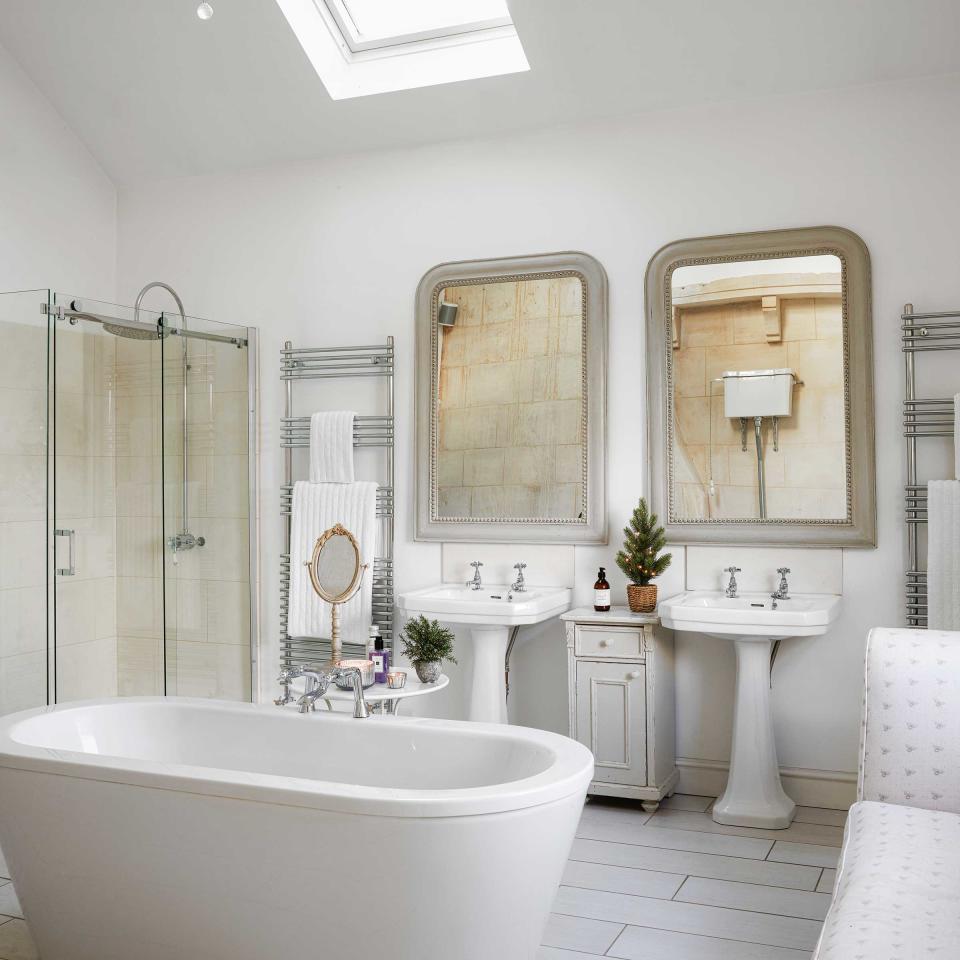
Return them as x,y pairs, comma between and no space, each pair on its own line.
127,531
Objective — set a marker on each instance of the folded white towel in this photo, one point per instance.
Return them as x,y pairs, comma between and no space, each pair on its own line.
317,507
943,554
956,435
331,447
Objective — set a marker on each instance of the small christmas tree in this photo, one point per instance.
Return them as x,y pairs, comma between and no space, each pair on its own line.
640,559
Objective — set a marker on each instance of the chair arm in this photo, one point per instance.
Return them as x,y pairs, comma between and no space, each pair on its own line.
910,736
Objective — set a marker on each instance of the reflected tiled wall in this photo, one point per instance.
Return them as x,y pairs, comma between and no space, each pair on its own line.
806,477
511,401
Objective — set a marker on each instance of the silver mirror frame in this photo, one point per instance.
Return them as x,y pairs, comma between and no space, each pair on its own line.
860,527
522,530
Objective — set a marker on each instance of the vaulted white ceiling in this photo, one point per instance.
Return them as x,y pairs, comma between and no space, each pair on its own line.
155,92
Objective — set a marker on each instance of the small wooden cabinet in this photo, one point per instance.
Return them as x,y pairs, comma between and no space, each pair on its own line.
621,699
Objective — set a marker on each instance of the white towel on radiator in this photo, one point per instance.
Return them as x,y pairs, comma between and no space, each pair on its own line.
331,446
956,435
943,555
316,508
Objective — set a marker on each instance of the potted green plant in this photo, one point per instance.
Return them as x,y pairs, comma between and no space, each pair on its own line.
426,645
641,559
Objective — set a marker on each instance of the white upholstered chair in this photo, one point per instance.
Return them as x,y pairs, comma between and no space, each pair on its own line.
897,895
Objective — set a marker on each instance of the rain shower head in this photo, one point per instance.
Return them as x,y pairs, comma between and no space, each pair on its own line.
130,329
131,333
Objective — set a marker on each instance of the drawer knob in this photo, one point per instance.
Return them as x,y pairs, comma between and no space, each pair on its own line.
605,643
633,675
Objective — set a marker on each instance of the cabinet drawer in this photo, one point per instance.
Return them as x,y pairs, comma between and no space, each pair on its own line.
608,642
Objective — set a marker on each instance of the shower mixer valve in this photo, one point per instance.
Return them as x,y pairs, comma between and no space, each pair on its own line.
185,541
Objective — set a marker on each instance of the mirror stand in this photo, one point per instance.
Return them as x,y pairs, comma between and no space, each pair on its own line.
336,647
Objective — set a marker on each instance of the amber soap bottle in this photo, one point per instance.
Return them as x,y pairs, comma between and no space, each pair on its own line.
601,592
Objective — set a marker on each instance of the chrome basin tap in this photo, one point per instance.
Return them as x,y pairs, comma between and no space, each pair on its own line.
732,585
783,591
519,585
476,583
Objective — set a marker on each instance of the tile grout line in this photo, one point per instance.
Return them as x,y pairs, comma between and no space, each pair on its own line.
654,846
697,876
647,926
731,856
613,942
677,891
695,903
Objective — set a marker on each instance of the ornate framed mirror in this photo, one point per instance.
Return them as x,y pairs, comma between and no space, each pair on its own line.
511,400
760,389
335,573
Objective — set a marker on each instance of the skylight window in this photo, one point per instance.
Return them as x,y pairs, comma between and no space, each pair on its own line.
362,47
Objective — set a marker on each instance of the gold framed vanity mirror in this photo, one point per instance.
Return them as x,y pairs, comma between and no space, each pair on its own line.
336,570
511,400
760,388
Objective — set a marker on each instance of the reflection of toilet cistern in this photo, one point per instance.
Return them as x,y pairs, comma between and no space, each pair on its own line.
755,394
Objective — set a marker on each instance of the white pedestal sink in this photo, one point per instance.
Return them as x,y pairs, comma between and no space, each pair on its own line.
754,796
491,613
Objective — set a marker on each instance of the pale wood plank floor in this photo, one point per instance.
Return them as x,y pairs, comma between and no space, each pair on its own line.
678,885
674,884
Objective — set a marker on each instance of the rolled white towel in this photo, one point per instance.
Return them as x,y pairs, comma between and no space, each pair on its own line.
316,508
331,446
943,555
956,436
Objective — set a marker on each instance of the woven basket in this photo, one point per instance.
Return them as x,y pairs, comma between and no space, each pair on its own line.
642,599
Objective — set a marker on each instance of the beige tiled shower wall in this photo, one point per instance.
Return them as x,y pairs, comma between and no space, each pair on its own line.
206,594
511,401
139,519
806,478
23,378
208,597
85,501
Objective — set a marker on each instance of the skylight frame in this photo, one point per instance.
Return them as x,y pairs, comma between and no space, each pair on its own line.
477,54
340,12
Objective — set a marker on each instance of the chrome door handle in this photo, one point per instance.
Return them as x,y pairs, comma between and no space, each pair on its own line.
71,569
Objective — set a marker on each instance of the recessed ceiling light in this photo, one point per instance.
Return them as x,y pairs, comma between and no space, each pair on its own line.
361,47
204,11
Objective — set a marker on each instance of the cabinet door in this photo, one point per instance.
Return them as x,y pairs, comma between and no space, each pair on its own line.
612,719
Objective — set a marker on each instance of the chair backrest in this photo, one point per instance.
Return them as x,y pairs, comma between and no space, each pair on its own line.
910,738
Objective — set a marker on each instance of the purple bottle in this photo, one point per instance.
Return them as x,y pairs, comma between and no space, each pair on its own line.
381,661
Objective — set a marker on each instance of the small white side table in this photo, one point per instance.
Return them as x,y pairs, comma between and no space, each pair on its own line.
382,698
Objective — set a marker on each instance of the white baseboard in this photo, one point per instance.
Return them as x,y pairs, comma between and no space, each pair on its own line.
833,789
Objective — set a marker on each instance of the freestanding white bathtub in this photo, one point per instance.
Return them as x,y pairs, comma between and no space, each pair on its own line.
176,829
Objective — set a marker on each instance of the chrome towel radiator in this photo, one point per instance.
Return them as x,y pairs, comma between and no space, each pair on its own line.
923,417
314,363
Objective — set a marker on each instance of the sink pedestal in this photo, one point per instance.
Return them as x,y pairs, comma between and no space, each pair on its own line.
488,689
754,796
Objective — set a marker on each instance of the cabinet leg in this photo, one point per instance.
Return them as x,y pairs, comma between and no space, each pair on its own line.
650,806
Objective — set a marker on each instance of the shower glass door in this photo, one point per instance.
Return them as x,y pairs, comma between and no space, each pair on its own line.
23,506
107,606
148,506
206,442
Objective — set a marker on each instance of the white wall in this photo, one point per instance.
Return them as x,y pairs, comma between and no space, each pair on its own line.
57,207
57,229
332,252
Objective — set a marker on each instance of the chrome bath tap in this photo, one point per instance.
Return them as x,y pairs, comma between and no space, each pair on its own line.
317,682
732,585
783,591
476,583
